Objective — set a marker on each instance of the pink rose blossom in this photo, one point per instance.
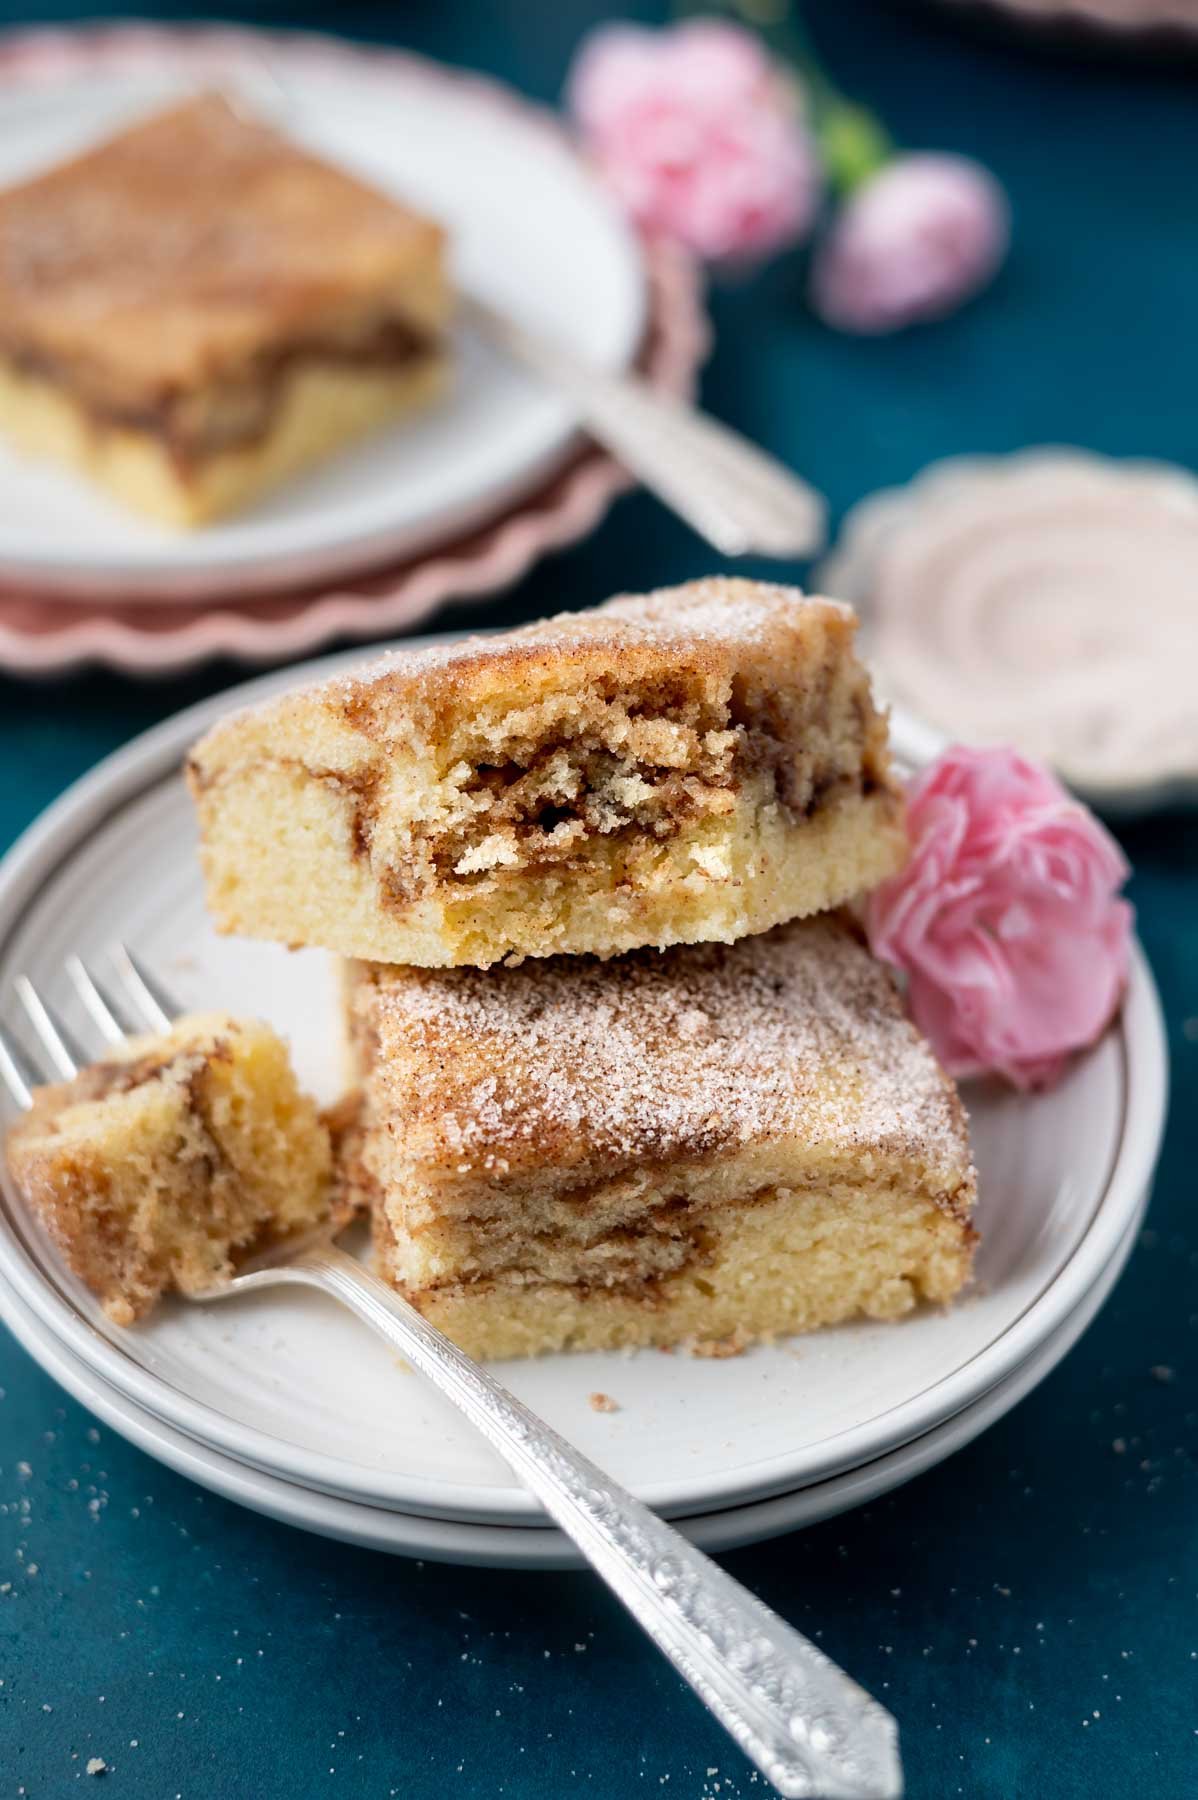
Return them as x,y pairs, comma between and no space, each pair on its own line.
696,132
1006,917
912,242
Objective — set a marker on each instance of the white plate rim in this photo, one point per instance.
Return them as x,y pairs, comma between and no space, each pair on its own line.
533,1547
154,756
125,47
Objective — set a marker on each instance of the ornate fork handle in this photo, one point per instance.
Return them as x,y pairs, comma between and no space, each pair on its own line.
809,1728
732,493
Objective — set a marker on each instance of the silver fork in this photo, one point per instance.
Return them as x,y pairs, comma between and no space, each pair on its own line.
742,500
809,1728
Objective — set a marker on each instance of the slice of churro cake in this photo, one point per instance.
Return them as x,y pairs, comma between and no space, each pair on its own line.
197,309
715,1144
694,764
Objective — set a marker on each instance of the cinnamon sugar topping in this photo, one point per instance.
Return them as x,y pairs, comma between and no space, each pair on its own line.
716,611
798,1033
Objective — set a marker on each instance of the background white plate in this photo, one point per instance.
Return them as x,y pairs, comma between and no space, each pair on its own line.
531,230
293,1386
946,571
500,1546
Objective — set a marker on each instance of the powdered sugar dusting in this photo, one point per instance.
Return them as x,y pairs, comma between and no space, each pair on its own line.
798,1033
719,610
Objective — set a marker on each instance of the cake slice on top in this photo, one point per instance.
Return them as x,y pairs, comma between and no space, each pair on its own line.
693,764
717,1143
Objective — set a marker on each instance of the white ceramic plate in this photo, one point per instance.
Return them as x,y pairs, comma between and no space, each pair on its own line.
499,1546
292,1386
532,231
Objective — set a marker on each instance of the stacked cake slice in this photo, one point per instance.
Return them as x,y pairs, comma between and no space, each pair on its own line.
629,1075
197,309
722,1141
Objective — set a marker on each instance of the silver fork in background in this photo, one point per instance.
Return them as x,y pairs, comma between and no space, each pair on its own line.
743,501
809,1728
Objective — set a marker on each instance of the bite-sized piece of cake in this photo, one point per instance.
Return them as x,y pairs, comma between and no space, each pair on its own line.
693,764
718,1144
150,1169
197,308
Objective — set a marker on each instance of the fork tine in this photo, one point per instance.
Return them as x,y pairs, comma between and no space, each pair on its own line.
156,1003
97,1003
52,1034
16,1071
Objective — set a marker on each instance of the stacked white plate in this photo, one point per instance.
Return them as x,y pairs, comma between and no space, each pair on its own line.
282,1402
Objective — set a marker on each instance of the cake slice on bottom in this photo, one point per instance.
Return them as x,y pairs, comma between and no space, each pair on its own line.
150,1169
719,1143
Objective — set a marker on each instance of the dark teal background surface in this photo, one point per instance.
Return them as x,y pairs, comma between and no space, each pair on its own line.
1030,1609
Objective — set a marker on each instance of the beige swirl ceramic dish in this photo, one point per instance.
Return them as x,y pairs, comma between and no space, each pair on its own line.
289,1386
1046,600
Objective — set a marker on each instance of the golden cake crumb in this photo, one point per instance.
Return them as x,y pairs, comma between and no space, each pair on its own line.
719,1349
149,1170
602,1403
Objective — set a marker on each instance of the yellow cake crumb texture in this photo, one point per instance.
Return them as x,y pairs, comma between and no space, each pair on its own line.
151,1169
792,1262
319,408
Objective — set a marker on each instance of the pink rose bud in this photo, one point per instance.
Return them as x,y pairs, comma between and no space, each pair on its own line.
912,242
1006,917
696,132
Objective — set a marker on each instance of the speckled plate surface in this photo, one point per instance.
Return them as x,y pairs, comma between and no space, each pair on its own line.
530,1547
288,1384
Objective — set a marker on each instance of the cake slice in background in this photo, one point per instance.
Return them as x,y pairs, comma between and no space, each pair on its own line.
694,764
714,1144
197,309
149,1170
